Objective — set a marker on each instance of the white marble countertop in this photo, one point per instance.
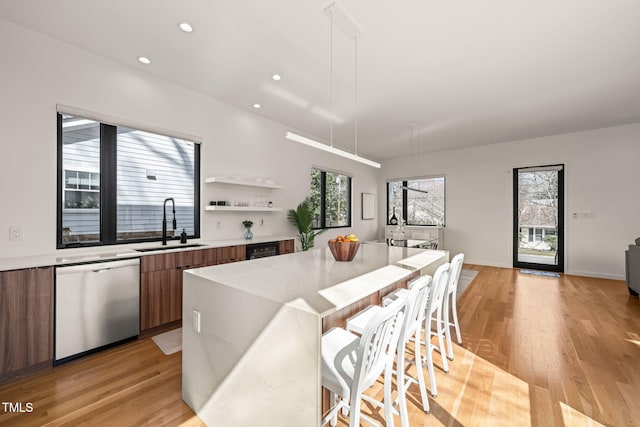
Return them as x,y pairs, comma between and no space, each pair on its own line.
104,253
314,281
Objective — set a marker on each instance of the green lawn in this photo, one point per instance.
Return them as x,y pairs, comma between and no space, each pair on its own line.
535,252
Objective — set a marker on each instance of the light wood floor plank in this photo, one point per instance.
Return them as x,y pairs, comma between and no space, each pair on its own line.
536,351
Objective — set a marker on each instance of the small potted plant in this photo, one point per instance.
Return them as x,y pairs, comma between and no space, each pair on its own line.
248,224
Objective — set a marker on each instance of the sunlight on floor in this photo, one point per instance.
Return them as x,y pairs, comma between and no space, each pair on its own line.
636,342
571,417
192,422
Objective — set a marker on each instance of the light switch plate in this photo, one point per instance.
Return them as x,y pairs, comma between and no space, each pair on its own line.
15,233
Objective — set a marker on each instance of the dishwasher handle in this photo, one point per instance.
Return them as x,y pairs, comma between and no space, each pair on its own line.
97,267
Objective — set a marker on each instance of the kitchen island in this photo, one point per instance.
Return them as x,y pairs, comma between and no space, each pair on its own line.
252,330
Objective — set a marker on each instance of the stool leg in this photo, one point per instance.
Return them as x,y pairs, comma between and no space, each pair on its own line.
388,403
428,349
440,332
404,414
447,329
420,371
354,418
455,321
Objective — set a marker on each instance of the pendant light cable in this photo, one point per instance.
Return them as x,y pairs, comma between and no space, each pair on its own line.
331,78
346,23
356,93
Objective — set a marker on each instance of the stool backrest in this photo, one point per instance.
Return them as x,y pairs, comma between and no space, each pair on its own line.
454,272
416,305
378,344
438,288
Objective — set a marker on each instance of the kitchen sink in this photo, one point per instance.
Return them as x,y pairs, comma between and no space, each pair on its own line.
164,248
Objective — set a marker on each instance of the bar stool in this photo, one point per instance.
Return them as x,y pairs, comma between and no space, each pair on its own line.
433,312
352,364
450,306
411,329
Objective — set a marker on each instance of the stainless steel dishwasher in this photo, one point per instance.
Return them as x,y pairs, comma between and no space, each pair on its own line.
96,305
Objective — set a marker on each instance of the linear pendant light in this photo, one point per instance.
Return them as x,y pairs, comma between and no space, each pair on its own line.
328,148
351,30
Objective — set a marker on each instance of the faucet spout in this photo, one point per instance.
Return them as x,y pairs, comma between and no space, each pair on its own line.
164,218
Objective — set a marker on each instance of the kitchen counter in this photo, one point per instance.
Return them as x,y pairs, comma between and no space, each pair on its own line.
256,357
110,252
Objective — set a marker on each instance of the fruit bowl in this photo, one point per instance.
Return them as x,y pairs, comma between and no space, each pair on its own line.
344,251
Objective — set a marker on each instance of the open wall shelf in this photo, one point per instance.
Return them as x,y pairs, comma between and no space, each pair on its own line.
243,182
242,208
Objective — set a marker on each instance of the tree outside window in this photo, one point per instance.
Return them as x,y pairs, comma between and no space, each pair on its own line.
419,201
330,199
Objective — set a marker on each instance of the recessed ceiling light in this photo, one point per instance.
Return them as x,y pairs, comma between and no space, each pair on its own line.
144,60
257,105
276,77
186,27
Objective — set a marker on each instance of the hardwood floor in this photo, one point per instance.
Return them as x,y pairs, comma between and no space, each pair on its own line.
134,384
536,351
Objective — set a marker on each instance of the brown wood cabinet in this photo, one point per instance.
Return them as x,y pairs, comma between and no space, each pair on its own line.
161,279
26,320
161,284
231,254
287,246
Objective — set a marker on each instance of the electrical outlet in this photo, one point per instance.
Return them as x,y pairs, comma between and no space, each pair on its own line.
15,233
218,224
196,321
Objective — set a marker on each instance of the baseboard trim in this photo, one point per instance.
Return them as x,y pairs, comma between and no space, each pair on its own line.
569,272
595,275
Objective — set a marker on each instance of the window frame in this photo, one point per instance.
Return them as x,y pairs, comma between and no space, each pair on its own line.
108,188
405,200
323,198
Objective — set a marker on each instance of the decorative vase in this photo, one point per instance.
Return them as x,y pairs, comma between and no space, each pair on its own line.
248,234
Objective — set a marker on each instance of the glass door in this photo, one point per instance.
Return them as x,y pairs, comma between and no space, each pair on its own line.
538,218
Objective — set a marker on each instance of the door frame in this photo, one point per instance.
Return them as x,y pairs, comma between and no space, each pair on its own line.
559,266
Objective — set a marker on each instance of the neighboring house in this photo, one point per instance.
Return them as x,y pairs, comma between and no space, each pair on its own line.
538,223
148,165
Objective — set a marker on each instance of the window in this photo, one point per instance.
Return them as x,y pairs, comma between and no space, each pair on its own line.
113,180
417,201
81,189
330,199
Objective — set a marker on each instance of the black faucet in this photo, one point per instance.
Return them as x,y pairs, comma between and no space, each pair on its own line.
164,219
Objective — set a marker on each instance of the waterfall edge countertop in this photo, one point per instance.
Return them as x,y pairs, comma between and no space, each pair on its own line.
314,281
252,330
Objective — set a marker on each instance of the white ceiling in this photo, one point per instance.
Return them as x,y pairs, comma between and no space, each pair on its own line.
463,72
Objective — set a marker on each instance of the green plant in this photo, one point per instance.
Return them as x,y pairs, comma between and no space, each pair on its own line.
552,240
247,223
302,218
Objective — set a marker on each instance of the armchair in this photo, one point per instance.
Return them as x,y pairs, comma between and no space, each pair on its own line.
632,261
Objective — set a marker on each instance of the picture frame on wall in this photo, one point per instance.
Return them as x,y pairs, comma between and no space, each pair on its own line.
368,206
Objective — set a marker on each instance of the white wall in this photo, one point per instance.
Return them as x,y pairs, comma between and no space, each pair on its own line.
601,177
38,72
